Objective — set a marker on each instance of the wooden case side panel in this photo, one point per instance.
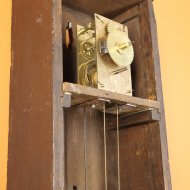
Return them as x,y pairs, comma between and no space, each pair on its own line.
58,119
30,155
140,158
162,123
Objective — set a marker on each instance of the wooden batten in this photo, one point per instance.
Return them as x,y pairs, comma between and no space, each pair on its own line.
83,96
107,8
134,119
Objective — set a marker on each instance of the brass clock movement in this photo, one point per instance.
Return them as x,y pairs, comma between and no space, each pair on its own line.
104,55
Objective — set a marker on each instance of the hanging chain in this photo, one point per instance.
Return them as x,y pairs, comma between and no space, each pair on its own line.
85,149
118,155
105,147
105,151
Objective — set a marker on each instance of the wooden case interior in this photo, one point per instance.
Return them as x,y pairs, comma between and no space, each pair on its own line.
140,151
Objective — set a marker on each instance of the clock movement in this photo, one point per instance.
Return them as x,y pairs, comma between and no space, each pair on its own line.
104,55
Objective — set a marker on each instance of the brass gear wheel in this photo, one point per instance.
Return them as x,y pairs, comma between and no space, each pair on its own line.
111,26
120,48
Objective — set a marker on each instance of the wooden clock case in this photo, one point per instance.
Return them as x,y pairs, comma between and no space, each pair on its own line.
46,141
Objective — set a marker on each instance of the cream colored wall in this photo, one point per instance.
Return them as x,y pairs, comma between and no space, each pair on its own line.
5,57
173,20
174,39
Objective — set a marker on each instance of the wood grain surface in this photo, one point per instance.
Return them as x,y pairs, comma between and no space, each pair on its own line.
30,154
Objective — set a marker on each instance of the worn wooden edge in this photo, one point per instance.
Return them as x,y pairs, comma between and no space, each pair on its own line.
58,115
162,123
30,150
107,95
135,119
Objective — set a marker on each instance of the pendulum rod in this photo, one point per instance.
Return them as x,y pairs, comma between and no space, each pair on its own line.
118,155
85,150
105,151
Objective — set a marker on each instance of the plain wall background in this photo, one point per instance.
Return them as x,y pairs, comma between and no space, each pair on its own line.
5,57
173,21
174,42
